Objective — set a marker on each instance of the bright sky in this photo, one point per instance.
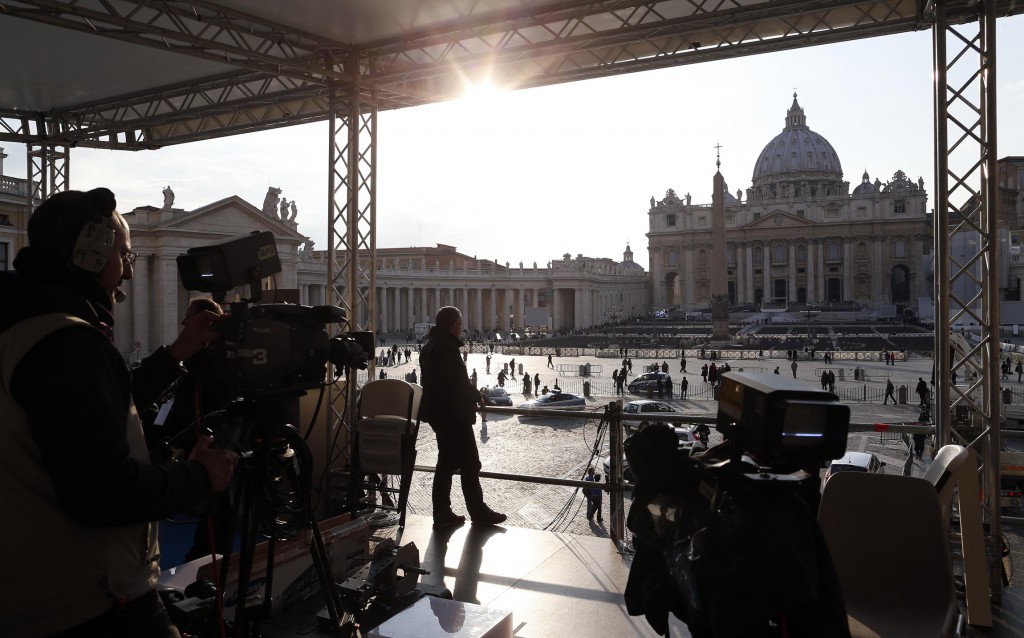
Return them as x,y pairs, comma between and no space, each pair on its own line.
531,175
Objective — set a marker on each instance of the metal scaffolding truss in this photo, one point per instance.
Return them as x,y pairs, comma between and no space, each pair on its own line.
351,256
968,286
49,171
284,73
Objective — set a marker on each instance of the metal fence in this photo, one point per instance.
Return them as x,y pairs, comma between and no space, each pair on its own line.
521,349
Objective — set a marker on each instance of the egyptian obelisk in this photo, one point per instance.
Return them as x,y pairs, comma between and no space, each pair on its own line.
719,287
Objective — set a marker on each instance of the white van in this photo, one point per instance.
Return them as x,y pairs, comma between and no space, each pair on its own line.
855,462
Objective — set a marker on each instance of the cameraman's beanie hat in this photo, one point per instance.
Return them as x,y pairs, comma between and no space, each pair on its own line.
56,223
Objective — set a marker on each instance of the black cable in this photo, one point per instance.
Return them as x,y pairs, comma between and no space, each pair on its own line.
562,515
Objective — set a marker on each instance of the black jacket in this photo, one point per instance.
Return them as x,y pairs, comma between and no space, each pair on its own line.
76,389
448,396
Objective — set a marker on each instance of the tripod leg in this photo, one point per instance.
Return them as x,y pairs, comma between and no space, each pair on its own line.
246,554
327,584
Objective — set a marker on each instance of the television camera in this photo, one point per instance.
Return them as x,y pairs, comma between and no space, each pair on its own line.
269,354
727,540
269,348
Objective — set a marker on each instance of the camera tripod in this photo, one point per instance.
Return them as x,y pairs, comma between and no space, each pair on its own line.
273,499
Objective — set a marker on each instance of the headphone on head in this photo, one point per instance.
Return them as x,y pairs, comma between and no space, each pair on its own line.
77,227
92,248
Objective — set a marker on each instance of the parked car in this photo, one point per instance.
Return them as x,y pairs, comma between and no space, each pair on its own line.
640,384
687,439
645,407
496,395
855,462
555,401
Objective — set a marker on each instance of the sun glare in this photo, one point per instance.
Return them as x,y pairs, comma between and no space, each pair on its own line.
481,93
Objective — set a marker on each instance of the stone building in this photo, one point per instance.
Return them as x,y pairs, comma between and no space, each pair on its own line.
569,293
800,236
14,192
565,294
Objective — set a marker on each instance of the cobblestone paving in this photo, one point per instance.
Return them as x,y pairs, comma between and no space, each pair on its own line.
562,448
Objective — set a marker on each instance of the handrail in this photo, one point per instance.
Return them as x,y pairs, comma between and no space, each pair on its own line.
616,419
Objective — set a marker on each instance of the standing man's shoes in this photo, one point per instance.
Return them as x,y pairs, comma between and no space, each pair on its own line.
448,519
488,517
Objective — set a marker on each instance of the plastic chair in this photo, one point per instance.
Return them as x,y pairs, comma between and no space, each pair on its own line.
385,445
955,466
889,545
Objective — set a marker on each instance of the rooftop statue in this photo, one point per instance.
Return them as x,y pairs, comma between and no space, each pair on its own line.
168,198
270,202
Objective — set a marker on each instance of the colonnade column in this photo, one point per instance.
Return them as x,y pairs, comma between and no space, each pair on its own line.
687,286
791,295
766,270
521,311
510,308
478,308
140,304
492,313
847,270
811,297
738,271
822,273
410,313
398,309
878,287
382,306
556,310
166,287
748,252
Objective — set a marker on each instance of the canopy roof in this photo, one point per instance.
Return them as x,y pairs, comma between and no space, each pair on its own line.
113,74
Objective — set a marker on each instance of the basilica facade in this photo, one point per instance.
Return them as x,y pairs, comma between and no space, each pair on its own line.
798,235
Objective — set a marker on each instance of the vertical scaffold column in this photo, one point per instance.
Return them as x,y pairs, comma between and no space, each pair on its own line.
49,171
351,228
966,264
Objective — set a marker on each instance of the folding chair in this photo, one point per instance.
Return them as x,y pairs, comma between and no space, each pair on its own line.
888,541
384,445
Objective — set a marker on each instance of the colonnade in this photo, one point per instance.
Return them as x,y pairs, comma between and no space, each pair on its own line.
815,270
401,306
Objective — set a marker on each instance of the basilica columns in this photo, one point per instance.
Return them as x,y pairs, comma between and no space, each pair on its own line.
812,296
879,289
848,290
791,293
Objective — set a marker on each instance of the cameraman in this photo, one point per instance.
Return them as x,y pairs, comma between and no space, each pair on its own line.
203,389
79,550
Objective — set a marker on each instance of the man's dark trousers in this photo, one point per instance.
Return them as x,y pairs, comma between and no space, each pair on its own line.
456,450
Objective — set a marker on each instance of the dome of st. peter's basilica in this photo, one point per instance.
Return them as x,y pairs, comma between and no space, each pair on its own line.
798,161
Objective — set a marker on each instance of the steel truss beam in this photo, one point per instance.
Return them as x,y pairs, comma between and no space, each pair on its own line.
968,286
282,69
200,29
351,227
